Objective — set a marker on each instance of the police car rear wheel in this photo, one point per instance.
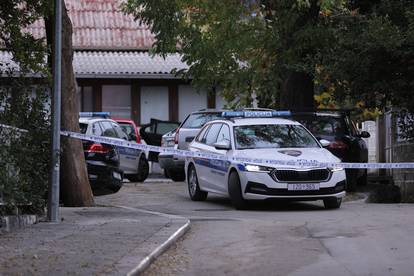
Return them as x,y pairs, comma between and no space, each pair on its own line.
193,188
332,203
143,170
235,192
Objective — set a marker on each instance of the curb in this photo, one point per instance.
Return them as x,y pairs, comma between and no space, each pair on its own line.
12,223
152,256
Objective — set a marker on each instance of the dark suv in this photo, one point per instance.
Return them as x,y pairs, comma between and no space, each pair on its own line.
346,141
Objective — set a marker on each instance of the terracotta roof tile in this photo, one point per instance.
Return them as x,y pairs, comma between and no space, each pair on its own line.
101,25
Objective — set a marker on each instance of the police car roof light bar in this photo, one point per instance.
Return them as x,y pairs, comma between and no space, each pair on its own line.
255,114
95,114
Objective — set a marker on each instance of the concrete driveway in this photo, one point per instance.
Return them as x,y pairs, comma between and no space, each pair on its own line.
278,238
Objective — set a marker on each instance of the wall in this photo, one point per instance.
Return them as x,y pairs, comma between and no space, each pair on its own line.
393,149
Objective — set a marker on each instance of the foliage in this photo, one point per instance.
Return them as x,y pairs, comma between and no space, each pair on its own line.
371,56
237,46
15,16
363,50
24,164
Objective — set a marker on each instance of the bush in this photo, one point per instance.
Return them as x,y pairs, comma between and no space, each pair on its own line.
24,146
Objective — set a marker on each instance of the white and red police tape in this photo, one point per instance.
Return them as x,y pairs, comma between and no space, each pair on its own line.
187,153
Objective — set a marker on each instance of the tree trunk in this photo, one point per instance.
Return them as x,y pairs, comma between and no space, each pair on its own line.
74,184
297,92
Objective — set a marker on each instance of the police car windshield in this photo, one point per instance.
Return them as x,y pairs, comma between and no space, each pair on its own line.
273,136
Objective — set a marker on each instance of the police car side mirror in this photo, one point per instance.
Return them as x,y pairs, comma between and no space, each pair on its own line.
222,145
324,142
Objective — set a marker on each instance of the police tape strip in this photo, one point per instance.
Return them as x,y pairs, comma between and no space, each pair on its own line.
187,153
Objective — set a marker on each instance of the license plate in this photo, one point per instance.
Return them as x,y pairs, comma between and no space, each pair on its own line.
117,175
303,187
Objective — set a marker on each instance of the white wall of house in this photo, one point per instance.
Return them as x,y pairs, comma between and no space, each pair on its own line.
219,101
189,100
154,103
117,100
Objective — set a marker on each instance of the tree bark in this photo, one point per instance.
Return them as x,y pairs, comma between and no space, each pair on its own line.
297,92
75,189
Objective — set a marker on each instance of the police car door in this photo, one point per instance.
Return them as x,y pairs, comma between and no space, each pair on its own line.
109,131
213,171
221,167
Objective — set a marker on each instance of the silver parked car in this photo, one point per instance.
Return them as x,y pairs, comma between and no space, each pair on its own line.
180,138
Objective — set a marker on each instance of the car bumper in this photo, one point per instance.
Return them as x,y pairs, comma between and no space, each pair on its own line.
260,186
171,162
104,177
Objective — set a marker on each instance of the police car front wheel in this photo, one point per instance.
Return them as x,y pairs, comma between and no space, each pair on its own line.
235,192
332,203
193,188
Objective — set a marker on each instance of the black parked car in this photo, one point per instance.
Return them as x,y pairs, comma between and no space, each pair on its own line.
346,141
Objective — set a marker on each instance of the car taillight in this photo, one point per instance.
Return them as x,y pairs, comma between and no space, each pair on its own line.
176,136
98,148
139,139
338,145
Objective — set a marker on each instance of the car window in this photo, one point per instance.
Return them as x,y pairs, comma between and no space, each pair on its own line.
127,128
96,129
108,130
119,132
201,136
83,127
211,136
323,126
197,120
164,127
224,134
273,136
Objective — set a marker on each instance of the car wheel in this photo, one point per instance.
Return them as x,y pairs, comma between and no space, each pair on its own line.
115,189
332,203
235,192
177,176
193,188
143,170
363,180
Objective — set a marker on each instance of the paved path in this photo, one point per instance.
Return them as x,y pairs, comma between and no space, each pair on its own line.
89,241
279,239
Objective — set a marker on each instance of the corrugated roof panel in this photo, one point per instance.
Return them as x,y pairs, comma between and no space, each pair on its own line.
100,64
110,64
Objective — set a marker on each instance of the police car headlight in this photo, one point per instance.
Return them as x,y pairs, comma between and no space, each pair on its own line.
257,168
336,169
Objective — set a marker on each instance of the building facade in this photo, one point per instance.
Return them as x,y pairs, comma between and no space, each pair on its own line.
115,71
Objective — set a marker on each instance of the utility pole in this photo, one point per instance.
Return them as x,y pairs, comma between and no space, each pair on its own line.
53,202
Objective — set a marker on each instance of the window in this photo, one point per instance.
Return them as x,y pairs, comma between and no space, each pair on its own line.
211,136
96,129
198,120
202,134
119,132
108,131
224,134
83,128
273,136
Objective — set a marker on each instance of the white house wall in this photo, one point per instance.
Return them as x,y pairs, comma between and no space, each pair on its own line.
117,100
189,100
154,103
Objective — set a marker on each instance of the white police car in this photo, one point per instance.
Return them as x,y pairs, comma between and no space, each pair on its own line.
133,162
255,135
